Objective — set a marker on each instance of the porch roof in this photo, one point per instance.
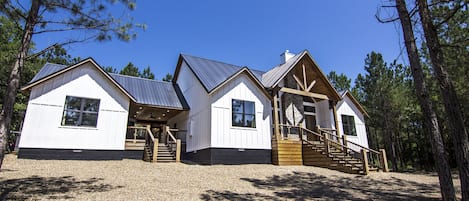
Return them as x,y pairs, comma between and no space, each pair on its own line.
152,92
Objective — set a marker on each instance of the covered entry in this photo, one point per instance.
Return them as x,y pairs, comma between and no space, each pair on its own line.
148,135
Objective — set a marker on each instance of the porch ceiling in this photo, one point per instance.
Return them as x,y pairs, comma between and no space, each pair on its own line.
151,113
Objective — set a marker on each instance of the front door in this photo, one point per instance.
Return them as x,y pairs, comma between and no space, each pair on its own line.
310,122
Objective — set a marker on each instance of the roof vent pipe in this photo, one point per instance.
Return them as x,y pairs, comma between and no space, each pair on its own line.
284,57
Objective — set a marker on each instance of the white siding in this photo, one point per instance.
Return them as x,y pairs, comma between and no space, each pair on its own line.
42,124
198,135
324,114
346,107
224,135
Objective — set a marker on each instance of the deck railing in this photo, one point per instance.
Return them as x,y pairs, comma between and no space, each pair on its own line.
173,144
370,158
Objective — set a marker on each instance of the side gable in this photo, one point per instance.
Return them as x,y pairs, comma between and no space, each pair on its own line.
56,70
355,102
214,74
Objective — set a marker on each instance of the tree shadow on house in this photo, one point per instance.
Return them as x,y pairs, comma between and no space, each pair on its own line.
36,187
311,186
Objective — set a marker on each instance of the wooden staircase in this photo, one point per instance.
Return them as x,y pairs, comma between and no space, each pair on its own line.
164,154
315,154
323,148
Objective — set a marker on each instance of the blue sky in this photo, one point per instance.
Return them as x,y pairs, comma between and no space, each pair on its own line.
250,33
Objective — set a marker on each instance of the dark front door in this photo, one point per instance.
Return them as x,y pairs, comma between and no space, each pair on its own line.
310,122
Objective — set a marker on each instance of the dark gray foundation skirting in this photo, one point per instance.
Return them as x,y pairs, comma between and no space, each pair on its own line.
229,156
77,154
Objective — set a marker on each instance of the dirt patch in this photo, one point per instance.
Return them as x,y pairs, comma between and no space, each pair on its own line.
22,179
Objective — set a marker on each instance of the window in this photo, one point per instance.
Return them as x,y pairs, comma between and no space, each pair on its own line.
244,114
80,112
348,124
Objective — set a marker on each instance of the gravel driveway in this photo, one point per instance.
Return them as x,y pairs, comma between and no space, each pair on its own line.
22,179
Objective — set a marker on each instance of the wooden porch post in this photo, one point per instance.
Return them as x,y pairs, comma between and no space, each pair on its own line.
384,160
178,150
336,121
276,119
366,168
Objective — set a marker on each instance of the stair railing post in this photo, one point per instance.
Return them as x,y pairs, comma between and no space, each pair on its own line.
366,168
326,143
155,151
178,150
383,159
344,142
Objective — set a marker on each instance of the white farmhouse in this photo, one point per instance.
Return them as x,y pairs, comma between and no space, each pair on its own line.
211,113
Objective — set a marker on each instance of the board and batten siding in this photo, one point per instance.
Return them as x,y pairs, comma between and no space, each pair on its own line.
346,107
224,135
42,123
197,120
324,114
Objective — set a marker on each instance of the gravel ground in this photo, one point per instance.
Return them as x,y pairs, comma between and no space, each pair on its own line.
22,179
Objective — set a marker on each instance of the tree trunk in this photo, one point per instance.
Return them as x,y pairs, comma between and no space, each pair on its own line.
15,75
450,98
430,118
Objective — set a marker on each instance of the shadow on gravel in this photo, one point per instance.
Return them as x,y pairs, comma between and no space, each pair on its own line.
39,188
302,185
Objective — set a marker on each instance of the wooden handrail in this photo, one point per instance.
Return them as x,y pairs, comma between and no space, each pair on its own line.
177,142
170,134
362,147
137,127
150,134
382,163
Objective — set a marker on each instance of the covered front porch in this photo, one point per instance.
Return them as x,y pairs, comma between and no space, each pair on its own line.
149,137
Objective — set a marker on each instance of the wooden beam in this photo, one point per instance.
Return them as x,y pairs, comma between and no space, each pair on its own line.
299,82
311,85
304,93
276,119
336,120
304,75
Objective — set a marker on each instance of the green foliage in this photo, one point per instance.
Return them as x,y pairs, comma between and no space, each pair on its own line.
147,73
110,69
340,82
168,78
130,70
395,121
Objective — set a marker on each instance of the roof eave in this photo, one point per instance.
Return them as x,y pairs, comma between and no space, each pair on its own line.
250,75
93,62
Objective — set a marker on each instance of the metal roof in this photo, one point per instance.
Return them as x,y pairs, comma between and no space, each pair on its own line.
46,70
212,73
270,78
143,91
152,92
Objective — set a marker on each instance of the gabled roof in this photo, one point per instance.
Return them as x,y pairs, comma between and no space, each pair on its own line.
274,75
214,74
354,100
271,78
152,92
139,90
46,70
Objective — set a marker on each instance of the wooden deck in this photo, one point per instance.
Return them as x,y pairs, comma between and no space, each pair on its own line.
131,144
287,152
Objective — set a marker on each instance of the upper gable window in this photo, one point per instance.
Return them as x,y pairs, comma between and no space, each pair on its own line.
80,112
243,113
348,124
